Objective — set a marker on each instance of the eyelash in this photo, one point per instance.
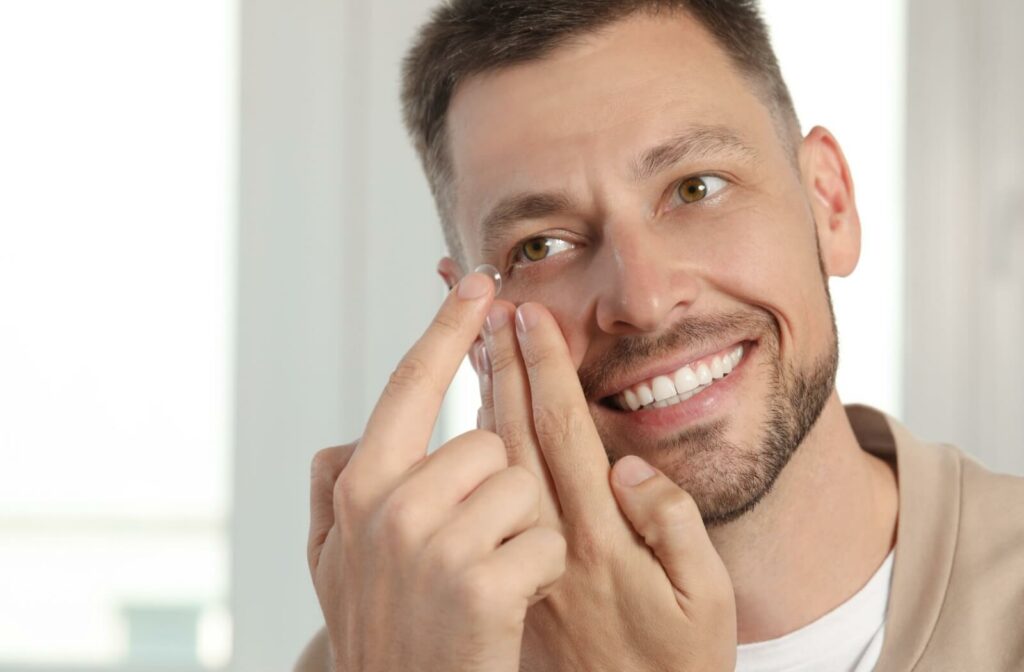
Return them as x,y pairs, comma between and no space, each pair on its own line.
674,192
517,259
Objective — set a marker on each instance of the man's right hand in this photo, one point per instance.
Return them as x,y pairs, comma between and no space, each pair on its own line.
428,562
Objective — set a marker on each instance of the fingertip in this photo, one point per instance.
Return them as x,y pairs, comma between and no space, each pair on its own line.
632,470
475,286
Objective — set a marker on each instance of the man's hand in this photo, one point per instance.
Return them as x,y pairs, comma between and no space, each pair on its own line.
428,562
644,589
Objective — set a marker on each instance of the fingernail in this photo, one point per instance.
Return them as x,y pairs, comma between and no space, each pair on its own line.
484,361
526,318
474,285
632,470
497,318
492,273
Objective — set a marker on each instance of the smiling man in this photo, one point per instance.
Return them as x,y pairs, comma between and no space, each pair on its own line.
664,476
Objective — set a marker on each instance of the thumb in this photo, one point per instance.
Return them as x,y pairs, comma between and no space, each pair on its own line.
670,523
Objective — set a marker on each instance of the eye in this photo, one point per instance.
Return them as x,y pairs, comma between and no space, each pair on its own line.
540,248
698,188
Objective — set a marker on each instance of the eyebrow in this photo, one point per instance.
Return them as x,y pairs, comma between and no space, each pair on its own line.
511,209
693,143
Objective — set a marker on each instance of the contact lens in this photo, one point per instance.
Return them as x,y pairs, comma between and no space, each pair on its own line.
495,274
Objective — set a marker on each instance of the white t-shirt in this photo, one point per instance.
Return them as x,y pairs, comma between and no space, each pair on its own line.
846,639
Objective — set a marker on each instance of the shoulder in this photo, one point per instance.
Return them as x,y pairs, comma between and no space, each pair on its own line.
991,521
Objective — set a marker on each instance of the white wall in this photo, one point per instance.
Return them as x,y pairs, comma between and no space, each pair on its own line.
337,243
965,235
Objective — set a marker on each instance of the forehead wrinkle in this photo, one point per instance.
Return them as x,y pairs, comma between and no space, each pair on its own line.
518,207
697,142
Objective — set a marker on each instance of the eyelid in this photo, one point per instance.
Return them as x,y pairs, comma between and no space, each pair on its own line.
514,259
674,189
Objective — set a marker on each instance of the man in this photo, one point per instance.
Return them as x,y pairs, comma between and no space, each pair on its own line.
664,478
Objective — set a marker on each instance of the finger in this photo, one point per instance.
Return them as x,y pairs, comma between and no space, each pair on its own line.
533,561
427,498
401,423
571,446
510,389
327,465
504,505
485,415
670,523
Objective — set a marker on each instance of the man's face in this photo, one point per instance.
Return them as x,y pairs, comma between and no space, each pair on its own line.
634,184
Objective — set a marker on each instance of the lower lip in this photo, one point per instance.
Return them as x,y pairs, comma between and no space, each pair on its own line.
717,400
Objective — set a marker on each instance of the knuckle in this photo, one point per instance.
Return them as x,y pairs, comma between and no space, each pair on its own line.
478,591
524,483
678,508
328,462
502,359
523,479
347,493
487,445
556,425
587,550
446,557
516,436
674,511
556,546
401,521
447,323
411,373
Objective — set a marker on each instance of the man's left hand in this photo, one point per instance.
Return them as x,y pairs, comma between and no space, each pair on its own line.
644,589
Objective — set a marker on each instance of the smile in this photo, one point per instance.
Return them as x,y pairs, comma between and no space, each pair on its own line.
689,380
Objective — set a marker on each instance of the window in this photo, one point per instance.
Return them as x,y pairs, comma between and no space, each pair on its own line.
116,244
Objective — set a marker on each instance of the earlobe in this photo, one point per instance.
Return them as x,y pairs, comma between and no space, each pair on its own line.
829,186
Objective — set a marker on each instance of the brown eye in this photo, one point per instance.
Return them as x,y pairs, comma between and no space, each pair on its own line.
536,249
692,189
541,248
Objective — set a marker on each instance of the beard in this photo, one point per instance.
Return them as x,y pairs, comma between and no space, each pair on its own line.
727,479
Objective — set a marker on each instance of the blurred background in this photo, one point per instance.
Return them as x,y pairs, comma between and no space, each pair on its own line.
215,243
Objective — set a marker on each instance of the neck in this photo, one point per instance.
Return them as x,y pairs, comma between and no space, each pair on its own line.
820,535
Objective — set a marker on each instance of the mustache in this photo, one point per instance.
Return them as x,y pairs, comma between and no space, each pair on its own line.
629,352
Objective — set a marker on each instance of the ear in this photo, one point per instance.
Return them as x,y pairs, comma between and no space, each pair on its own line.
450,271
827,182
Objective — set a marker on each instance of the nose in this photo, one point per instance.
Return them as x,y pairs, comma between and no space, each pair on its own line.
642,282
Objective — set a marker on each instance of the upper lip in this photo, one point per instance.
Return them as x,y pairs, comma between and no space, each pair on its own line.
661,367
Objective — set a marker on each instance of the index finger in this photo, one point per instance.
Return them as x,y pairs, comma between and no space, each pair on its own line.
400,426
568,438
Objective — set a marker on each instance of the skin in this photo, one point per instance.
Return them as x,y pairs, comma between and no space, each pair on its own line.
522,537
572,122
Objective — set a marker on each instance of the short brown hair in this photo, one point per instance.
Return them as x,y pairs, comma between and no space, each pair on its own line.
468,37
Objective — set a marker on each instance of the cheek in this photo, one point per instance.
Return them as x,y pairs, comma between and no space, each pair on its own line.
769,259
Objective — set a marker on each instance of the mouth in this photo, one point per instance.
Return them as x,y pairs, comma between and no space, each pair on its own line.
676,386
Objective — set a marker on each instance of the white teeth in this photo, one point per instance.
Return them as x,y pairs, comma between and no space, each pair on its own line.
663,388
665,391
685,380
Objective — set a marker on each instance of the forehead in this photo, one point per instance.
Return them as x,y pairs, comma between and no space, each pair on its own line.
577,117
